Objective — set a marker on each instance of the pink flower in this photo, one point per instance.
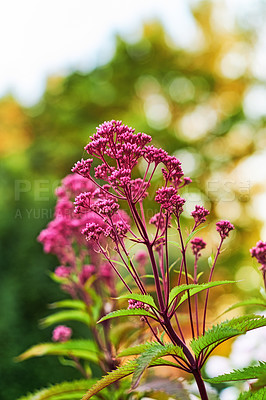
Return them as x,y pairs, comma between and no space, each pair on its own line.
170,200
86,273
224,227
153,154
105,207
199,214
83,167
197,244
120,177
92,231
62,271
141,257
61,333
259,252
134,304
82,202
106,271
159,220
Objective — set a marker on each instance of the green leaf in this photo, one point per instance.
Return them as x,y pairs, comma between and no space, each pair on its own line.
254,301
68,315
193,289
63,391
201,287
211,260
259,395
190,236
128,313
85,349
151,276
226,330
252,372
175,243
75,304
111,377
132,351
153,352
144,298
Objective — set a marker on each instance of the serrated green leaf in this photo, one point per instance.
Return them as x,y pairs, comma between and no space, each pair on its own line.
201,287
74,304
255,301
85,349
111,377
128,313
179,289
190,236
226,330
153,352
259,395
67,315
63,390
132,351
193,289
252,372
144,298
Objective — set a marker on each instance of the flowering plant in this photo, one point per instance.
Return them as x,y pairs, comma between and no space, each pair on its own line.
119,150
107,232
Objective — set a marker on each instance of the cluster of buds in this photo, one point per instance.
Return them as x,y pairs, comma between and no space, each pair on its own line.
259,252
134,304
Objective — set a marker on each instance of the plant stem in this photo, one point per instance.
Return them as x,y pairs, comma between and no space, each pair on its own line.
208,290
200,384
183,251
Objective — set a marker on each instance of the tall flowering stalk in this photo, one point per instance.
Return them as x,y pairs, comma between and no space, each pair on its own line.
118,150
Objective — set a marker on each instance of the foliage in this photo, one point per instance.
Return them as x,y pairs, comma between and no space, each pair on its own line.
252,372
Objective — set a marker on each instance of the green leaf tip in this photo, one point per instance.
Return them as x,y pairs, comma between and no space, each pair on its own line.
251,372
64,390
113,376
226,330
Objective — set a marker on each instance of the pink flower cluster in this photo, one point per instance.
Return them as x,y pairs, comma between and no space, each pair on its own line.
134,304
118,142
170,200
65,228
199,214
63,235
197,244
224,227
61,334
259,252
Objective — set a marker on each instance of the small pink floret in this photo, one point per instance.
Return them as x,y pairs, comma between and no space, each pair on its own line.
224,227
62,271
61,333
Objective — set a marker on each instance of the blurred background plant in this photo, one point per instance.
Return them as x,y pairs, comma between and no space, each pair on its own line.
204,102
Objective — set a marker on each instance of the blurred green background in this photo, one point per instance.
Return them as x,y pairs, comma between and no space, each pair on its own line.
198,103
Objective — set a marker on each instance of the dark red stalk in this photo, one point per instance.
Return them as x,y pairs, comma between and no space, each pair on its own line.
196,296
208,290
183,250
